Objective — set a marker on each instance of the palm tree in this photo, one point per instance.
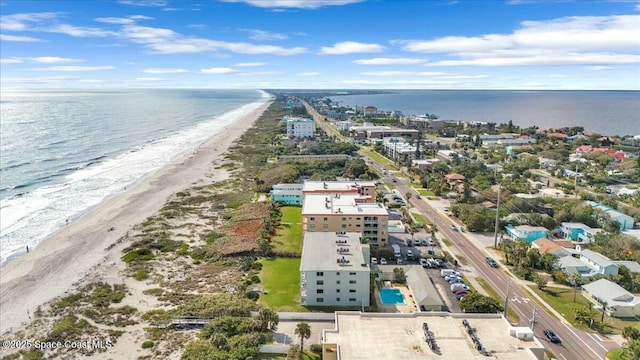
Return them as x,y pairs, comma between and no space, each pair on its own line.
576,281
304,331
604,308
268,319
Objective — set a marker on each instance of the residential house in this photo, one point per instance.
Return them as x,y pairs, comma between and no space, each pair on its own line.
625,221
454,179
366,189
600,263
633,266
619,302
334,270
424,164
557,248
526,232
579,232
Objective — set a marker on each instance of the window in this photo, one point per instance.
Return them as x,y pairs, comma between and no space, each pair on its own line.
357,218
344,226
319,300
320,282
352,281
337,282
352,290
344,219
312,226
320,291
325,219
357,225
325,226
337,299
338,273
352,273
337,290
352,299
312,218
320,273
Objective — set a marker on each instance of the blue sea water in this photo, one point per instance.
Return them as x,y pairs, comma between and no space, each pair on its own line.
64,151
604,112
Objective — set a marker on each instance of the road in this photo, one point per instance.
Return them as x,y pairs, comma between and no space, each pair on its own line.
576,344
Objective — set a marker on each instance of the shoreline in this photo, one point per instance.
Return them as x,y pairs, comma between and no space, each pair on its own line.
62,260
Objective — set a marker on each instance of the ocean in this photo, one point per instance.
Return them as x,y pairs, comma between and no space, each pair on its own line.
604,112
63,152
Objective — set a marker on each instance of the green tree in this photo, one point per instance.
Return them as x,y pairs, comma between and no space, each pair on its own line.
575,278
541,281
630,350
631,333
478,303
399,275
303,330
268,319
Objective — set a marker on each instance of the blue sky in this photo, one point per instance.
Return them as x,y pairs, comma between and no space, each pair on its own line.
377,44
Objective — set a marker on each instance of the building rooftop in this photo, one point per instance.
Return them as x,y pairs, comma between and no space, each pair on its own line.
344,204
633,266
576,225
328,186
610,292
549,246
596,257
529,228
331,251
358,336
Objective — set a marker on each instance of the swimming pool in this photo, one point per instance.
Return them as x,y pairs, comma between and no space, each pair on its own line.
391,297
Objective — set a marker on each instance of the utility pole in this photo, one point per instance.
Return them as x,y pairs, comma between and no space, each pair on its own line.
506,301
495,239
533,319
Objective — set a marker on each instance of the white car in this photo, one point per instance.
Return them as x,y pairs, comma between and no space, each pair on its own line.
409,253
374,261
383,261
424,262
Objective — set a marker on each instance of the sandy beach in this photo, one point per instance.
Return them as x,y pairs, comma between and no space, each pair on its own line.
86,249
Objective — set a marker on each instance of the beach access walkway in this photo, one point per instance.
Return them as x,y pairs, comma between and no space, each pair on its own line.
194,322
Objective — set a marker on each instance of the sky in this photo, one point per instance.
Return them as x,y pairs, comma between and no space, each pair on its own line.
321,44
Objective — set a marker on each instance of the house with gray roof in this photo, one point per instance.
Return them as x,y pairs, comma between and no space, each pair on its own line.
589,264
619,302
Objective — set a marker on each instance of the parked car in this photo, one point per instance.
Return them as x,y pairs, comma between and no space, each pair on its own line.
431,243
409,253
374,261
459,297
399,261
424,262
456,280
492,262
439,262
461,292
552,336
418,196
383,261
455,288
446,272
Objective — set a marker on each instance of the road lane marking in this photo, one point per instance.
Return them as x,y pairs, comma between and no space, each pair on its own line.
598,341
579,338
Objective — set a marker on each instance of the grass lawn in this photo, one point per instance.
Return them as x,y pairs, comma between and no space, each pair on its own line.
424,192
420,219
379,158
562,301
281,278
511,315
614,354
307,355
291,214
288,237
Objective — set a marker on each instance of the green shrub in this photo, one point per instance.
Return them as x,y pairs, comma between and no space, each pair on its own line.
141,275
255,279
153,291
147,344
253,295
143,254
316,348
256,265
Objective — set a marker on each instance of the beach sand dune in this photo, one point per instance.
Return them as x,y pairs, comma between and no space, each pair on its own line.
75,253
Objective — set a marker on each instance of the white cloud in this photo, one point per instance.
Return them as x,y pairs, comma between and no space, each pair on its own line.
165,71
550,76
79,31
218,70
54,60
351,47
438,74
166,41
25,21
75,68
599,68
389,61
299,4
565,41
144,3
261,35
10,61
122,21
149,79
309,73
250,64
5,37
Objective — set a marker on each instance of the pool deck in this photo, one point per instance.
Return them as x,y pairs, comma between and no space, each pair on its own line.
409,307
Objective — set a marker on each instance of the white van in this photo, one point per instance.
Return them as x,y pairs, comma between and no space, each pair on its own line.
458,286
445,272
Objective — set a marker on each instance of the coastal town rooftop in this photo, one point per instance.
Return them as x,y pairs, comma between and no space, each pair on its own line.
331,251
344,204
357,336
339,186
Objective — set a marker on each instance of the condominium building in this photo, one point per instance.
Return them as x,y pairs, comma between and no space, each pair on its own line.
334,270
365,189
300,127
345,212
